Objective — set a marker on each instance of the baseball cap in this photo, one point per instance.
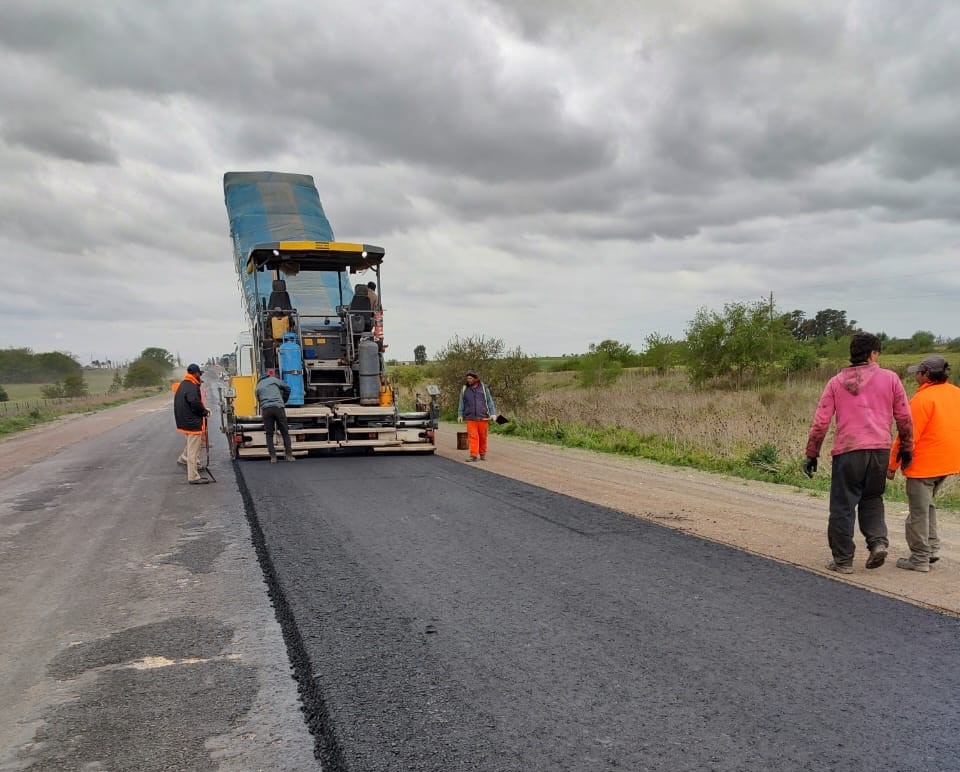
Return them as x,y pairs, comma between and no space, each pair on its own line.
473,373
194,369
932,364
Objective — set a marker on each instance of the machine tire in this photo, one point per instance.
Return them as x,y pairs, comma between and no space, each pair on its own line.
232,445
228,425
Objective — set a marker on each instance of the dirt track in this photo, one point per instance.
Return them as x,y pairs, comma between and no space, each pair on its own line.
770,520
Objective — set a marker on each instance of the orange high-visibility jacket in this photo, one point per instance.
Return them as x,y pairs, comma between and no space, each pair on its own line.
188,408
936,432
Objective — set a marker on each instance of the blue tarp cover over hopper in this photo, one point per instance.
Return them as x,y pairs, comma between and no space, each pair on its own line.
267,207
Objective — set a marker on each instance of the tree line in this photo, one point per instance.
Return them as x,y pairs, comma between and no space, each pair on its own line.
742,343
22,365
63,374
746,342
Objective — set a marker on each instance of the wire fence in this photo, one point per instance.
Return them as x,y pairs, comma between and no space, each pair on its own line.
19,407
26,405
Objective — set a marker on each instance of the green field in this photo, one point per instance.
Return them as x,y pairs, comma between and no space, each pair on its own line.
98,381
27,407
757,432
551,363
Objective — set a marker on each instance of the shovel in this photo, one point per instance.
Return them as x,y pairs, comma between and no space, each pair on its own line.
206,444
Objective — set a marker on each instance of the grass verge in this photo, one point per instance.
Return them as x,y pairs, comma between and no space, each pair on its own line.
18,423
628,442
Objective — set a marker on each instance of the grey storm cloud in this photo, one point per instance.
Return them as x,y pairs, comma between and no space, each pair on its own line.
688,151
386,92
66,140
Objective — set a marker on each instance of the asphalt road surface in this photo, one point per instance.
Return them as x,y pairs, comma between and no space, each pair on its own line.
445,618
136,633
438,617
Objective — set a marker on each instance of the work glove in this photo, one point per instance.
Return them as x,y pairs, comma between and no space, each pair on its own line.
905,457
206,413
810,466
459,419
492,418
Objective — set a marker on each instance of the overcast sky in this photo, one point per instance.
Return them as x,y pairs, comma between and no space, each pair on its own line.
552,173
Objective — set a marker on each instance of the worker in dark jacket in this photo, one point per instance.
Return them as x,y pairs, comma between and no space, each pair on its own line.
476,407
272,394
191,415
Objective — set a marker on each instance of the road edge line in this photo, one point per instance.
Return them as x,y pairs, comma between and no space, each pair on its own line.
327,747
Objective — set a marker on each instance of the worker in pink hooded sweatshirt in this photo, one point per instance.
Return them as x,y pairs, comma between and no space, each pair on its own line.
866,400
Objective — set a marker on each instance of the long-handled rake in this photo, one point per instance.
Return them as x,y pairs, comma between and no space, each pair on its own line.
206,444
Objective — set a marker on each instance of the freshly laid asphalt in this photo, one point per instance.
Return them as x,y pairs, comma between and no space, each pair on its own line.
437,617
441,617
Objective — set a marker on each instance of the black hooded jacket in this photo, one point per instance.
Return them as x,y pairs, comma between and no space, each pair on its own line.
188,409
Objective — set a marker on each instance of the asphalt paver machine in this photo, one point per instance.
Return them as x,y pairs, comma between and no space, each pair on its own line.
314,323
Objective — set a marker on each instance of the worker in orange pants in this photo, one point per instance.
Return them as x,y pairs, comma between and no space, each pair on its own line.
478,410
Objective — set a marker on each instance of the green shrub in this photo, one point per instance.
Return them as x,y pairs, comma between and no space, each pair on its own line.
802,359
145,371
765,456
53,391
598,370
661,352
405,376
745,341
507,372
4,397
617,351
75,386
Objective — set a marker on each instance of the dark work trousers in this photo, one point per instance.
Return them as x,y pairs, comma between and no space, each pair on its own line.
859,479
276,418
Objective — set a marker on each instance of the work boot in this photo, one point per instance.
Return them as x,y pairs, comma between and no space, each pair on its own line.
909,565
833,565
273,459
289,457
199,481
934,559
471,458
878,554
483,457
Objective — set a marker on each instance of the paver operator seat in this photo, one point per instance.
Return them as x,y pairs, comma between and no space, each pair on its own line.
361,310
279,298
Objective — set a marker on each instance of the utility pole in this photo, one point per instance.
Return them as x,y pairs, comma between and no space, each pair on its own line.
770,333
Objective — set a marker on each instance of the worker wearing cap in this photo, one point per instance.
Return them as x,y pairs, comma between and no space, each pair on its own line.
477,408
936,455
190,415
